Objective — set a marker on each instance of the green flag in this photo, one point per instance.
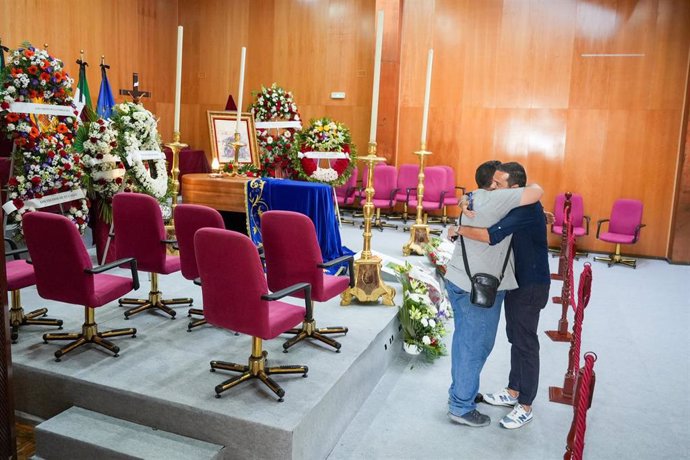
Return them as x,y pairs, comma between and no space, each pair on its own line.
83,95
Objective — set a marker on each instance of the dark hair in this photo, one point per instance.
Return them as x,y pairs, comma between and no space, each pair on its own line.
485,173
516,173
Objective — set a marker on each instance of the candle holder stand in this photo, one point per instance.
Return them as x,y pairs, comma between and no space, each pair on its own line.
237,144
175,146
369,286
419,231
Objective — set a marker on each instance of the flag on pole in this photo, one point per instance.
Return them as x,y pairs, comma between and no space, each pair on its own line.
83,95
106,101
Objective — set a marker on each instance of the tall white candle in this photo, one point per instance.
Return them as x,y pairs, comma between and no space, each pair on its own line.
241,90
178,80
427,94
377,76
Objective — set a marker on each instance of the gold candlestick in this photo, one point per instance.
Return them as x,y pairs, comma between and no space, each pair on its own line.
175,146
237,144
419,232
368,283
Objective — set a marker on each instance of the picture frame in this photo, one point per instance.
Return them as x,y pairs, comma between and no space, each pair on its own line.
222,126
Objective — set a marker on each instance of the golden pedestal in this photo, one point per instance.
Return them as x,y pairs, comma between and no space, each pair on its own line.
368,283
419,232
176,146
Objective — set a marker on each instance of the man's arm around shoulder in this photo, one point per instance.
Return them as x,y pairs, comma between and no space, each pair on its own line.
531,194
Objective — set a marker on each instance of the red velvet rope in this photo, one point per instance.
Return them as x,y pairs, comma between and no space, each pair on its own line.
570,235
584,292
583,406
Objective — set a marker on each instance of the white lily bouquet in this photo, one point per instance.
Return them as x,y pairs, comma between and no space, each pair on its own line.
424,310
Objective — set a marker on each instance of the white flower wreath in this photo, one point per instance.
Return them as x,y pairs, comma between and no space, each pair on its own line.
137,131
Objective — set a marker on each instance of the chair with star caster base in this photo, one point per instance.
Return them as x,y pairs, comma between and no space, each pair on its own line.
140,233
624,227
64,273
236,297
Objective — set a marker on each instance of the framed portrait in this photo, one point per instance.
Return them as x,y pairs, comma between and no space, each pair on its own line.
222,131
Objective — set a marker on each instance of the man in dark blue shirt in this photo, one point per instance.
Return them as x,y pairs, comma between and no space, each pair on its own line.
527,224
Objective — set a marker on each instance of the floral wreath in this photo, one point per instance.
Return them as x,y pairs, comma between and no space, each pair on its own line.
137,130
424,310
275,104
105,172
324,135
44,164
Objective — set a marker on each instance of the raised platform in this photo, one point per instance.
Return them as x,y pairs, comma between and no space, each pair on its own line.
162,380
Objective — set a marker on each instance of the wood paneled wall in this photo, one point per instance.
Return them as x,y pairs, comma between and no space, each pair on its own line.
134,35
513,81
309,47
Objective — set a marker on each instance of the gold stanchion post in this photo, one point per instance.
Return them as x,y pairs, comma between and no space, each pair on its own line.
237,144
368,283
419,232
175,146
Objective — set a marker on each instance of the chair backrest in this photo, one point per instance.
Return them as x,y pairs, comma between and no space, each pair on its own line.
365,172
291,250
385,179
232,281
626,215
577,210
341,190
450,181
408,177
59,258
434,183
139,230
188,219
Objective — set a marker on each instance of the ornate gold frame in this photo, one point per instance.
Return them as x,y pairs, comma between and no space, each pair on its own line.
224,121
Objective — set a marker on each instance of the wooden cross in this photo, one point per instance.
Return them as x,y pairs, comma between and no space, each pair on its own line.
134,92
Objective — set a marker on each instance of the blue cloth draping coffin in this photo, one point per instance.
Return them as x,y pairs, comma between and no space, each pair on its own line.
312,199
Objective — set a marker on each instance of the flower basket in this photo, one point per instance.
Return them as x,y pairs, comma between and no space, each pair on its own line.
423,311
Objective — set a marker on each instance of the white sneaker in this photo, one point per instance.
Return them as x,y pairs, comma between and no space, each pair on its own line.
502,398
517,418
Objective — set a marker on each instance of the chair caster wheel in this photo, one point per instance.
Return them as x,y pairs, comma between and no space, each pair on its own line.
134,336
213,370
60,328
280,400
217,396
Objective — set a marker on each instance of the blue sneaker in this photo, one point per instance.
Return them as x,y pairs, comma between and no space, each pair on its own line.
473,418
502,398
517,418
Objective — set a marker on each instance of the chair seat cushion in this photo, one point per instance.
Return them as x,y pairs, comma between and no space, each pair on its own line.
332,286
172,265
108,288
425,204
577,231
617,238
281,317
450,201
386,203
19,275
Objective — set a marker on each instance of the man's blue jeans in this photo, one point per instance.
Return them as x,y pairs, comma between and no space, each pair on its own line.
473,340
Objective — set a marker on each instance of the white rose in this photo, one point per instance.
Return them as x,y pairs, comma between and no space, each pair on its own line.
432,323
426,340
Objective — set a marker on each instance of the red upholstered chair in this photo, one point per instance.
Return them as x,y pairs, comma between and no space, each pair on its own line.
450,198
189,218
293,255
385,190
236,297
64,273
408,178
140,233
434,191
624,228
577,216
20,275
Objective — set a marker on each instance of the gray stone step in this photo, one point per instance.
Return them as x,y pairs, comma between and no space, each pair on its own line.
83,434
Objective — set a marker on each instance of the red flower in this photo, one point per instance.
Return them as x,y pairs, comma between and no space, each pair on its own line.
36,180
340,165
51,154
12,182
308,166
5,105
93,139
44,76
11,117
67,166
19,204
28,53
118,180
33,70
34,132
14,71
62,128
